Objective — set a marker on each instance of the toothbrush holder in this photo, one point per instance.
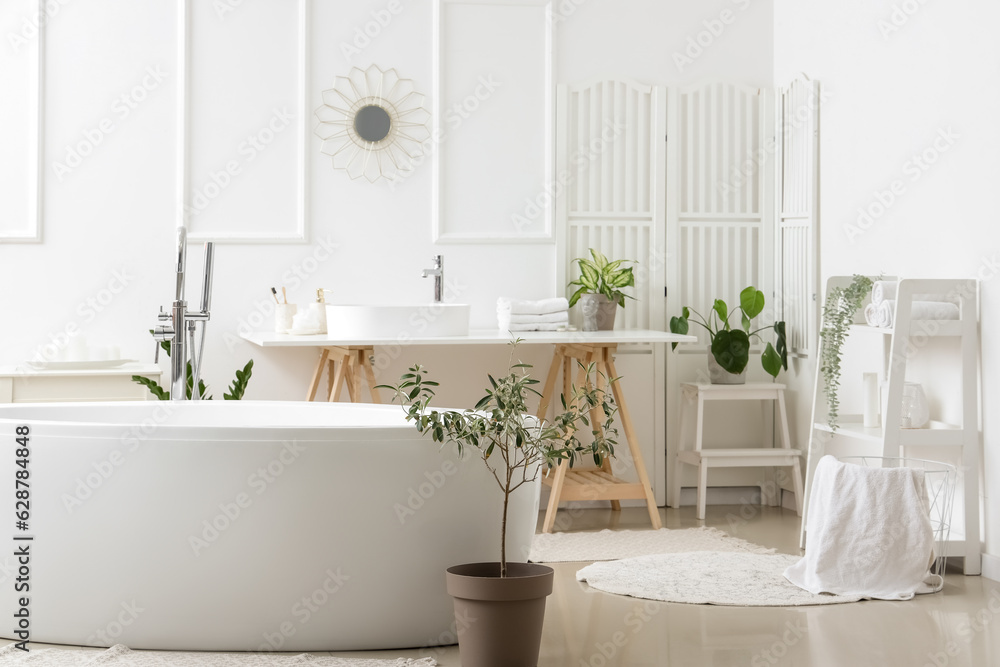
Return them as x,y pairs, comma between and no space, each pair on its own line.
283,314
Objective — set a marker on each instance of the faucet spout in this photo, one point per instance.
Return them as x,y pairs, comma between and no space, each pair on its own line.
438,273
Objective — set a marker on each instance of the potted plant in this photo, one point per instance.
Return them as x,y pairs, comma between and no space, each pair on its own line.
729,347
599,290
235,393
507,598
842,303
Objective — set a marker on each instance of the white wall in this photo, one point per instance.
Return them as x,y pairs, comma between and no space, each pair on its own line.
118,209
899,82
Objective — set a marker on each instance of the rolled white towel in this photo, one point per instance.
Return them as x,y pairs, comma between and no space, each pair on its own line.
871,315
537,326
921,310
541,307
505,319
885,290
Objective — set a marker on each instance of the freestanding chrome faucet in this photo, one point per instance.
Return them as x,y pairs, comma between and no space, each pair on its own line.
438,273
183,323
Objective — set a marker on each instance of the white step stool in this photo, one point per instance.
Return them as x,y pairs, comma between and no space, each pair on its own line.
694,395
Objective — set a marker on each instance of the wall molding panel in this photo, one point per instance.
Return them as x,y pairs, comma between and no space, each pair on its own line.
243,163
25,226
494,49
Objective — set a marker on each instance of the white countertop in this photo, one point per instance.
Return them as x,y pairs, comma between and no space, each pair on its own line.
24,370
475,337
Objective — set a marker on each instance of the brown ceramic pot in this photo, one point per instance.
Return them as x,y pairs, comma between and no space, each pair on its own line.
501,618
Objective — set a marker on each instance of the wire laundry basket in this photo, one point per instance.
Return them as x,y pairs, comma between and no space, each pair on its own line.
940,480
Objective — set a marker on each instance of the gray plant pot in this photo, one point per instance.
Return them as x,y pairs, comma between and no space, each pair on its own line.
598,312
508,612
718,375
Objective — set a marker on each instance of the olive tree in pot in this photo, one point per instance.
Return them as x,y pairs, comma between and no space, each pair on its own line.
599,290
508,598
729,347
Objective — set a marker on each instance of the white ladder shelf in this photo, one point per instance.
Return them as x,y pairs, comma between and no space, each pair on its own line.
898,345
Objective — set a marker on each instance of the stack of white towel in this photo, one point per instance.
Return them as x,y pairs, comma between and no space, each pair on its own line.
544,315
882,309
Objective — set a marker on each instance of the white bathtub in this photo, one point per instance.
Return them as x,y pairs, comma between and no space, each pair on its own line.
244,526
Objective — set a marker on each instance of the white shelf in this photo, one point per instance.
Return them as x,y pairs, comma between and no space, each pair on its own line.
890,441
918,327
938,434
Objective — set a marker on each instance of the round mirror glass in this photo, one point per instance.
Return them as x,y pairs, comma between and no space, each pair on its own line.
372,123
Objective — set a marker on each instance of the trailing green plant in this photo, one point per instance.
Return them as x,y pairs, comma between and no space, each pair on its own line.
236,389
603,277
731,346
512,443
842,303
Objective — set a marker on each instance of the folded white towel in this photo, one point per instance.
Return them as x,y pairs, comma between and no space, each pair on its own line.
539,326
871,315
885,290
506,320
921,310
869,533
562,317
542,307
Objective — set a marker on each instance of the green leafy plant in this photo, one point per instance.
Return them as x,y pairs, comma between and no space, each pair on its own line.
602,277
512,443
841,305
236,389
731,346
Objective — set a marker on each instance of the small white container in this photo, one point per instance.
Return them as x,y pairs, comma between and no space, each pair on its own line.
283,315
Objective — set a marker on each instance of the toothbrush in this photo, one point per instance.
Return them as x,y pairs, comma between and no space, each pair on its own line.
284,295
274,293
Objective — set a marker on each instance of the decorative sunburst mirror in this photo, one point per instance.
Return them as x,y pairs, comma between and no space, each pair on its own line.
372,123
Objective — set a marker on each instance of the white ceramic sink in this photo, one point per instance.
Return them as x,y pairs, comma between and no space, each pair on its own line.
398,322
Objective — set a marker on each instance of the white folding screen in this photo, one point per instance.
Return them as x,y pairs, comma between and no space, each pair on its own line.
610,166
719,196
797,136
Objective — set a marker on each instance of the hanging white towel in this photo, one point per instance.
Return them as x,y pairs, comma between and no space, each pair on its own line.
885,290
542,307
868,533
920,310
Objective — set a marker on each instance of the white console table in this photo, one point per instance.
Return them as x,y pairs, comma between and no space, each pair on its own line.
24,384
349,361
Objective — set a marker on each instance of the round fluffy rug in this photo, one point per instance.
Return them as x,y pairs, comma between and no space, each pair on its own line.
706,577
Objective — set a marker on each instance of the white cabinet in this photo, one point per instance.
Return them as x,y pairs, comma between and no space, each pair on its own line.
22,384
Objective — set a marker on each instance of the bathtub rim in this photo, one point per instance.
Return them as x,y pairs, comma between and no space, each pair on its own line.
130,429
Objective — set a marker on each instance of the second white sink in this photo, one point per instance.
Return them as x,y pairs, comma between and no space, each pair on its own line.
397,322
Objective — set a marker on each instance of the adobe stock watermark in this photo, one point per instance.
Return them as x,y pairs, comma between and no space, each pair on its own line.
900,15
304,610
582,159
741,173
913,169
87,310
30,26
110,633
606,652
772,655
561,10
248,150
121,108
453,117
104,468
417,496
231,511
712,31
364,35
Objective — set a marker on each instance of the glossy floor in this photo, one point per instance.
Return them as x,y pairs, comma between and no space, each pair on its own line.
586,628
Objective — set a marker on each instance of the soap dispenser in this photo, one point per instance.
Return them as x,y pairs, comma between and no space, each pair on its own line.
319,309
